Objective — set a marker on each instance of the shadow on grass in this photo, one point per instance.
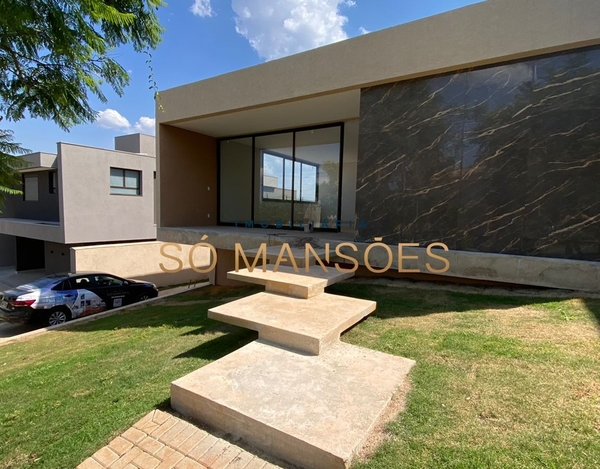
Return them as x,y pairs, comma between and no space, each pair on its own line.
221,346
593,305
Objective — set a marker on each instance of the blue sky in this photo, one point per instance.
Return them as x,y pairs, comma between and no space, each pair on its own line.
205,38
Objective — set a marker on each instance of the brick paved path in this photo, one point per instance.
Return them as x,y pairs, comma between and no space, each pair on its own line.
162,441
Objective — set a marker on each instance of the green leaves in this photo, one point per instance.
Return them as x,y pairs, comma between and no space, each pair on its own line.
10,178
55,53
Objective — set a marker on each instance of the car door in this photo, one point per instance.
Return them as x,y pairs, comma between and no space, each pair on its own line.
113,290
88,301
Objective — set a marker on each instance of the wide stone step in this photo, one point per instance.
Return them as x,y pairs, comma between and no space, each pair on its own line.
312,411
308,325
287,281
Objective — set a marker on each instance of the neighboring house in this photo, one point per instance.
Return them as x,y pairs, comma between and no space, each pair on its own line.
478,128
79,196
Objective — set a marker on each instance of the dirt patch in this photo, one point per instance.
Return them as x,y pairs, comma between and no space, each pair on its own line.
379,434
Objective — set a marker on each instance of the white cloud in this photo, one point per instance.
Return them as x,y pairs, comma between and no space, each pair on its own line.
202,8
112,119
277,29
363,30
145,125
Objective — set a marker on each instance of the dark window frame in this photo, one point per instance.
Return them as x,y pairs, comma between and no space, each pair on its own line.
293,131
123,186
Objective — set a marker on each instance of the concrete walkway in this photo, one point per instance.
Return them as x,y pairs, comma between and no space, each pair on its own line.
163,441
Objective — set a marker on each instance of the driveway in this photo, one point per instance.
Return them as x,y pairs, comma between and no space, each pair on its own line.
10,279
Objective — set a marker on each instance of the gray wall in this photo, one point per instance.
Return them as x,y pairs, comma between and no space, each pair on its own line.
136,143
7,250
504,159
57,257
90,213
46,208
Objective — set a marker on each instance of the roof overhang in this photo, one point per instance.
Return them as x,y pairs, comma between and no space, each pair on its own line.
39,161
325,109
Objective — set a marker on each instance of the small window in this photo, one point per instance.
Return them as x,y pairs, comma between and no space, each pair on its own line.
31,188
125,181
52,182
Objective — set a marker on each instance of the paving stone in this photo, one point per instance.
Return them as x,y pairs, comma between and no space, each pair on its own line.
161,417
242,460
256,463
192,441
134,435
164,427
146,461
120,445
90,463
226,457
150,445
125,459
188,463
202,447
173,431
105,456
182,436
210,456
144,420
169,458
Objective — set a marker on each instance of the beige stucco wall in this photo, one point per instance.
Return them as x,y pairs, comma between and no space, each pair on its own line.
89,212
142,261
484,33
187,176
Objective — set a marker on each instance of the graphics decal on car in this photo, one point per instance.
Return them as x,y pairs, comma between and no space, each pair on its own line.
80,302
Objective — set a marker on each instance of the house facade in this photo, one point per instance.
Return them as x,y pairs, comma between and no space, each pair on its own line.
79,196
478,128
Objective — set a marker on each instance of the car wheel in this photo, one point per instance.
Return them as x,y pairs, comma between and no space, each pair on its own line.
143,297
57,316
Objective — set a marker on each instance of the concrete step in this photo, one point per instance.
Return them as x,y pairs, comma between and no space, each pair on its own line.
286,281
308,325
312,411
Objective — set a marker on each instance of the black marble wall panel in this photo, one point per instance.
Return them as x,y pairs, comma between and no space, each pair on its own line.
503,159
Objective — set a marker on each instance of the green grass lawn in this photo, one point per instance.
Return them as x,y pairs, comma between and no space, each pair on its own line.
500,381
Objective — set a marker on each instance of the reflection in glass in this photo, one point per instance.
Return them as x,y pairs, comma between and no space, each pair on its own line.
273,180
317,194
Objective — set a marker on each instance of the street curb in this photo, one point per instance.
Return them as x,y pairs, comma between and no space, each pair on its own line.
94,317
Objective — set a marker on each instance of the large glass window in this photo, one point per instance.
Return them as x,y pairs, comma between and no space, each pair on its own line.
283,179
277,179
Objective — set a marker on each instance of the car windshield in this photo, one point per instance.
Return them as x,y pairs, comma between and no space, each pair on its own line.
39,283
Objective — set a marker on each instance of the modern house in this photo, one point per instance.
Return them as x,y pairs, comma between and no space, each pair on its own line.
478,128
77,197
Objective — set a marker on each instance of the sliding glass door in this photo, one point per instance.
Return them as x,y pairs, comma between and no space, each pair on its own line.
293,178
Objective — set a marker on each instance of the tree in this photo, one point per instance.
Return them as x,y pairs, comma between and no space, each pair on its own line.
9,165
54,54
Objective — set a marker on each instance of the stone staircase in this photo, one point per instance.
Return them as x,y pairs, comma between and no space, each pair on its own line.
297,392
